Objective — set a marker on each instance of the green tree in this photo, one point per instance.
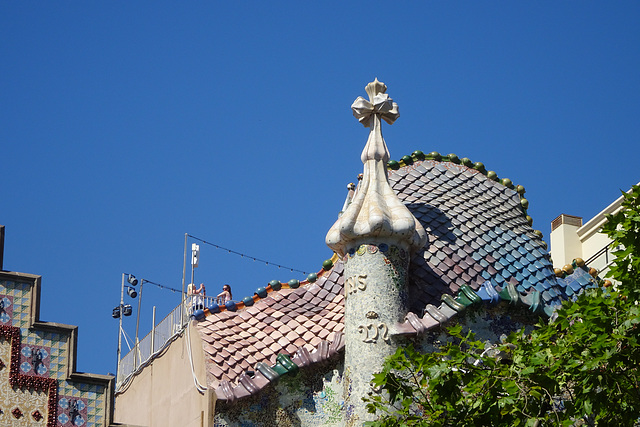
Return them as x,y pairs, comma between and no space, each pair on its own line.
580,369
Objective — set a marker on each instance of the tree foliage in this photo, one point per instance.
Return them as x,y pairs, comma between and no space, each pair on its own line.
580,369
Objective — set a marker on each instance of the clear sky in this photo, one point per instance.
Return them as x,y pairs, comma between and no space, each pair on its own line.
125,125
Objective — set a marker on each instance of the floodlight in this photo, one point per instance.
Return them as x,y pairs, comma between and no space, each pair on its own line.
132,279
127,310
116,313
131,292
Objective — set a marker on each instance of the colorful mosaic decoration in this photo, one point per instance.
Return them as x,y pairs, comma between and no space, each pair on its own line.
36,388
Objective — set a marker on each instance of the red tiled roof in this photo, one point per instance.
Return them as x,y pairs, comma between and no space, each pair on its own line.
283,322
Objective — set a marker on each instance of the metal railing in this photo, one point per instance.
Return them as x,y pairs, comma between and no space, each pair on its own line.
156,340
153,343
602,259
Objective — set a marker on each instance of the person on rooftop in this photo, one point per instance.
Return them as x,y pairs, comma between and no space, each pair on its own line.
197,295
225,295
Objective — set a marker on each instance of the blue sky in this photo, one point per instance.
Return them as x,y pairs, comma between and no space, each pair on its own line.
125,125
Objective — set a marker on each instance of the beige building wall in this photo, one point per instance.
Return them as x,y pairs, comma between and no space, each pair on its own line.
163,394
564,240
571,239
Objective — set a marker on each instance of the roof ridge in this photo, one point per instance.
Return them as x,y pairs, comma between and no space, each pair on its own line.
418,156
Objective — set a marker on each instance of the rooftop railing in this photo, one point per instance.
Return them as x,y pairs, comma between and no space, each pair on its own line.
602,259
160,336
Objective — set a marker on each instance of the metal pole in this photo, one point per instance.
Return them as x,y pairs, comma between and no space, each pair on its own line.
120,327
153,330
193,284
136,359
192,268
184,273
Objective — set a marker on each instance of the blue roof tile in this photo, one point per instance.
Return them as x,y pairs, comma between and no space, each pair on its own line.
539,287
574,284
540,276
481,233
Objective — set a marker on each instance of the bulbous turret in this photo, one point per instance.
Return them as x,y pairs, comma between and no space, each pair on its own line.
375,213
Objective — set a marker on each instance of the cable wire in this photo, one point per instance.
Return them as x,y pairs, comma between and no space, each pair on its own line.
199,386
231,251
161,286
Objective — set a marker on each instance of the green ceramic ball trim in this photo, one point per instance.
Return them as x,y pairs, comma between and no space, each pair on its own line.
492,175
453,158
434,155
312,277
248,301
506,182
407,160
275,285
467,162
418,155
394,165
294,283
327,265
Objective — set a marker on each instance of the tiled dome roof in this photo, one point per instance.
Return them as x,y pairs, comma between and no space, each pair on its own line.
481,247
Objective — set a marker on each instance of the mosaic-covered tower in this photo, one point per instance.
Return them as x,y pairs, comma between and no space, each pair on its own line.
375,236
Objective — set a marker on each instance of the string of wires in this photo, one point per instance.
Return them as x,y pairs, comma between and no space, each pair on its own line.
231,251
161,286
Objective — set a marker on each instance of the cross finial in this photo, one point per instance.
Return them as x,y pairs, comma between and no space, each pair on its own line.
369,113
379,104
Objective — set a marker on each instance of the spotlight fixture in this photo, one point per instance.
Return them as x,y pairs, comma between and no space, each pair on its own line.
127,310
131,292
116,313
132,279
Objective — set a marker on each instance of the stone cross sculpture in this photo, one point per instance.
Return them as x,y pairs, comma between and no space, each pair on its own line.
375,237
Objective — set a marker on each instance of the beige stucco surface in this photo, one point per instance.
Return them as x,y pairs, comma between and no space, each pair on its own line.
565,245
569,241
163,394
